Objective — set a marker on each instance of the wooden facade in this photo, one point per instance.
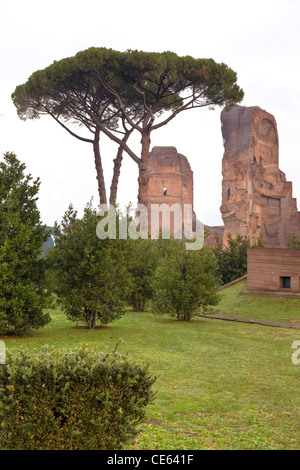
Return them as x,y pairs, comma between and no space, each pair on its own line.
274,270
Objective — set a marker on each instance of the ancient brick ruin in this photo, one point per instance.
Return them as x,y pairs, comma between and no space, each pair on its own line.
256,198
170,179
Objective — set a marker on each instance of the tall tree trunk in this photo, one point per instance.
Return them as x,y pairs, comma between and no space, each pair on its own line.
94,320
143,174
117,169
91,319
99,169
116,175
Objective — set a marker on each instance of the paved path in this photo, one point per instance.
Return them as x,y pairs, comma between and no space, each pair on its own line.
250,320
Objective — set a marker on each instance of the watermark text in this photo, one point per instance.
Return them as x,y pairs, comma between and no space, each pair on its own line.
2,352
296,353
154,221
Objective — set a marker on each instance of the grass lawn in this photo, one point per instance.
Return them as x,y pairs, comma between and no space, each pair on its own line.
220,385
279,310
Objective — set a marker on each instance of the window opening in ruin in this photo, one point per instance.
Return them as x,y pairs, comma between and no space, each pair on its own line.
228,193
254,159
165,190
285,282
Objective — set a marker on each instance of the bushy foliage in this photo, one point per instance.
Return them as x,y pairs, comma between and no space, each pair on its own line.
185,284
142,263
294,242
71,400
22,270
232,258
89,277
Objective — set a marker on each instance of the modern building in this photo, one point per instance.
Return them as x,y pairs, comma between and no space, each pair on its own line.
273,271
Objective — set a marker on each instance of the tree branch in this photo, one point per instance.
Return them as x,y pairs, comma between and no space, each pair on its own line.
113,137
144,99
184,107
83,139
121,104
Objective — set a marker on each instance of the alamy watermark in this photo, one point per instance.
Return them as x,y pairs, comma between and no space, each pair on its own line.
154,221
296,354
2,352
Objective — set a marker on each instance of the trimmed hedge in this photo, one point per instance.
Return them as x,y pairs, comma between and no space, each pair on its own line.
71,400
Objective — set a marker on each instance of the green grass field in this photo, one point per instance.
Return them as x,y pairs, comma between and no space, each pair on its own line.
278,310
220,384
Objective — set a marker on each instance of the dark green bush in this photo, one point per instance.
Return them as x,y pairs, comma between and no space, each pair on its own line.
88,275
23,293
72,400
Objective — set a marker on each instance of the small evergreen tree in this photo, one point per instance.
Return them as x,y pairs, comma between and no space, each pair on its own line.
22,270
142,263
260,242
232,259
185,284
89,275
294,242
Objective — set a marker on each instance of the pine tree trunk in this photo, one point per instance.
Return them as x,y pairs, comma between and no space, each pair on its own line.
91,319
94,320
117,169
99,169
143,173
116,175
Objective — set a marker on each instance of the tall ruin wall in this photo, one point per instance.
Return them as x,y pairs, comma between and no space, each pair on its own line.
170,181
256,198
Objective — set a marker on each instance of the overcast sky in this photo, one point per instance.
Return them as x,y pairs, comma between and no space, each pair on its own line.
260,40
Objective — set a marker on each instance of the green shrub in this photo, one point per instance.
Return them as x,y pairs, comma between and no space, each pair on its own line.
142,262
185,284
294,242
88,275
23,294
72,400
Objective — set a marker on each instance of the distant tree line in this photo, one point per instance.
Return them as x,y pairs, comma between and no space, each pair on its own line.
94,280
231,256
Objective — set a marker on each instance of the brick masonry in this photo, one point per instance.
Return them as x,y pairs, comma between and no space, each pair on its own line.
273,270
256,198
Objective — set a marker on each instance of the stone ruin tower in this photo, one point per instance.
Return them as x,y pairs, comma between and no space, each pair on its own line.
256,198
170,179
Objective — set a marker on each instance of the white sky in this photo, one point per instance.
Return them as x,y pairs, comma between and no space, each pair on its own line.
260,40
